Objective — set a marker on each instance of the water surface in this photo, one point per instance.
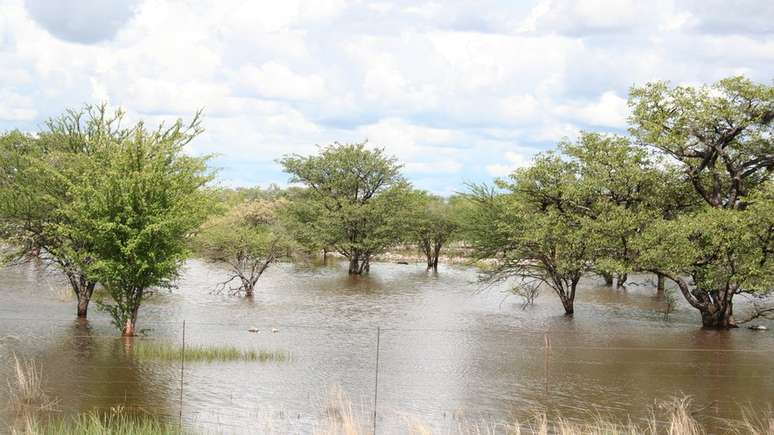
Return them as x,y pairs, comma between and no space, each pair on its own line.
448,351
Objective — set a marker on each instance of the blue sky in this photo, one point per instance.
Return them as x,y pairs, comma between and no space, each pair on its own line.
459,91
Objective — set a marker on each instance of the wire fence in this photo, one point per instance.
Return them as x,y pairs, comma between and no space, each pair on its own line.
488,373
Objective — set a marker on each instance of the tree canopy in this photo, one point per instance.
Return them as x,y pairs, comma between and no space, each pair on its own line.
248,238
353,199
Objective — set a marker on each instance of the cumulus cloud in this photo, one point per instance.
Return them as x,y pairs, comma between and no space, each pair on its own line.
84,21
459,91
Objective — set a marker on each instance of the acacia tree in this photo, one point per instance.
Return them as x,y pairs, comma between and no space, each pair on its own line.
431,222
353,200
248,239
295,222
138,201
534,231
627,188
39,174
720,137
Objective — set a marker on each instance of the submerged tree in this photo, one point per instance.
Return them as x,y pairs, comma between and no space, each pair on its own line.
140,198
353,199
39,175
431,222
720,137
248,239
534,230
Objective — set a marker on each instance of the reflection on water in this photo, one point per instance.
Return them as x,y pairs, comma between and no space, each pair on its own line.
447,350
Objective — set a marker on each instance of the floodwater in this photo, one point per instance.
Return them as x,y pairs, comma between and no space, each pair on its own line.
448,352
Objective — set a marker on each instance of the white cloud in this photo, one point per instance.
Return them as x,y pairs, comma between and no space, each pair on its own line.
609,110
16,107
275,80
449,88
512,162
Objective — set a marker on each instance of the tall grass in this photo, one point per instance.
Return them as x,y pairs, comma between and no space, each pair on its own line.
26,391
338,416
155,351
96,424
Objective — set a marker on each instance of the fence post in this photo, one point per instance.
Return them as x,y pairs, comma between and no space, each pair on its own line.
376,382
182,374
546,350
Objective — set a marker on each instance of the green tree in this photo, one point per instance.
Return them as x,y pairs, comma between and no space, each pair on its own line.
534,230
627,188
720,138
138,200
39,174
248,239
296,220
353,199
431,222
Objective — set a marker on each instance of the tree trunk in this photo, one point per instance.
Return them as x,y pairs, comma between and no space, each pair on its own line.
660,287
428,253
436,254
569,305
716,307
354,264
83,290
131,324
719,314
718,319
365,265
608,278
83,305
621,280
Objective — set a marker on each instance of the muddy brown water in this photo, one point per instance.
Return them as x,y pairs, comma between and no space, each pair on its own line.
449,353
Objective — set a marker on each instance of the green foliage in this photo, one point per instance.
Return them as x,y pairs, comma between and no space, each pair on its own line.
534,229
248,238
352,202
430,223
137,198
39,178
16,158
722,250
721,134
720,138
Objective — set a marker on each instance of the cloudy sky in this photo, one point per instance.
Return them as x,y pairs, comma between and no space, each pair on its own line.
458,90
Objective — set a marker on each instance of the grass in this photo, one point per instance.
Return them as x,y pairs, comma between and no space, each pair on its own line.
669,418
338,416
26,388
114,423
156,351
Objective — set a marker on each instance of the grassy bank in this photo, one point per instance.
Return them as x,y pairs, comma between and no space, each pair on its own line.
674,418
159,351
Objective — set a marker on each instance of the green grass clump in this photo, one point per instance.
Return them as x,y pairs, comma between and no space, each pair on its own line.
97,424
199,353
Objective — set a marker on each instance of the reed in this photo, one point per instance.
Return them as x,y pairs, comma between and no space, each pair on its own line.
26,391
155,351
99,424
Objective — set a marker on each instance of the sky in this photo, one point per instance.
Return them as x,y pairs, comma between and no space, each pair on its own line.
459,91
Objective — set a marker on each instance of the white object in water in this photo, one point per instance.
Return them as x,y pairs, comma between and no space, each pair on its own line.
253,329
